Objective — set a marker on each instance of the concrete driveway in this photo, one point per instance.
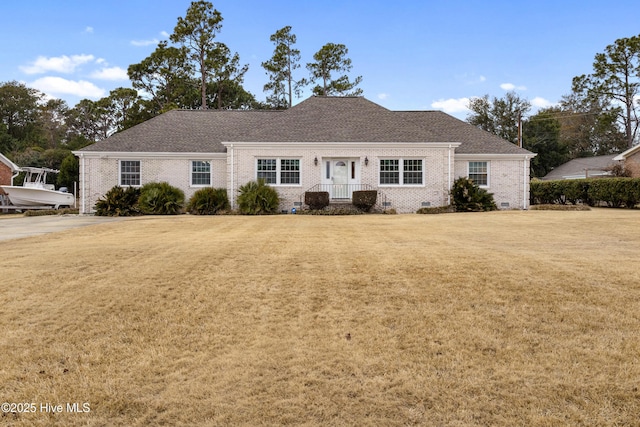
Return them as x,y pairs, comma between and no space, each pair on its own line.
19,227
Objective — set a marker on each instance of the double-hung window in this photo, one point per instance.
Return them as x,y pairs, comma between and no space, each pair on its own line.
200,173
479,173
401,172
279,171
130,173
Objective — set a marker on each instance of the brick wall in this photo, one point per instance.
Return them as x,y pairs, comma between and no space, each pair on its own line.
404,199
5,174
632,163
506,177
102,174
508,180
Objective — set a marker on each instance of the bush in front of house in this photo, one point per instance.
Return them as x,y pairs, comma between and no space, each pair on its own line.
119,201
613,192
160,198
257,198
364,199
469,197
316,200
436,210
208,201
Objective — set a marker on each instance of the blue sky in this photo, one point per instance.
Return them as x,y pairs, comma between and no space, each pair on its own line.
413,55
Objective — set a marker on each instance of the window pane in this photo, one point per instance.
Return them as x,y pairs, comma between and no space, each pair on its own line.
130,172
200,172
267,170
290,171
478,172
412,173
389,171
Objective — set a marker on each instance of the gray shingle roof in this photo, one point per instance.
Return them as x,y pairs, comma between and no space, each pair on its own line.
583,167
317,119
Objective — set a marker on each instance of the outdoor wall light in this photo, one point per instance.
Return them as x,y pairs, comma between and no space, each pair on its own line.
366,161
315,161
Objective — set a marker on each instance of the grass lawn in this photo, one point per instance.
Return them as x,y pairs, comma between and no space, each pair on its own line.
497,319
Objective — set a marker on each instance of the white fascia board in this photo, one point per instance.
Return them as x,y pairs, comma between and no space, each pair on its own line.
147,155
4,159
495,156
627,153
339,145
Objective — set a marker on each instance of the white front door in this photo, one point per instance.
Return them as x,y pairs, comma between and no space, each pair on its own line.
340,180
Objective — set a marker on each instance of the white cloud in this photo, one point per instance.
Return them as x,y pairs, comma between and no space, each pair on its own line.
142,43
511,86
164,34
383,96
541,102
58,85
452,105
112,73
88,30
61,64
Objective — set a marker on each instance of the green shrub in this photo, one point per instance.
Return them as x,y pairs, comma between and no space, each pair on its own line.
257,198
208,201
160,198
316,200
614,192
469,197
364,199
119,201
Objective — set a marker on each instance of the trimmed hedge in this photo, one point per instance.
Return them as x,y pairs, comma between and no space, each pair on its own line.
612,192
316,199
364,199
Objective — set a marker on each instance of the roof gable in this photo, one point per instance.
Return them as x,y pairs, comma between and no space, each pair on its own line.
4,159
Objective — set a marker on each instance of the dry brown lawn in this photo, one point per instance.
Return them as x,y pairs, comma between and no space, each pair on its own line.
496,319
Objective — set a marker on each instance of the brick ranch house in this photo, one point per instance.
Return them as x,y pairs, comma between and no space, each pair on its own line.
334,144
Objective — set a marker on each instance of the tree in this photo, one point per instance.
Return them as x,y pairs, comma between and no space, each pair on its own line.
616,80
52,119
588,124
541,135
225,70
19,116
501,116
332,58
280,69
197,32
164,76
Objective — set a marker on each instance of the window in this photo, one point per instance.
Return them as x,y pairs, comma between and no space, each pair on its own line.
290,171
130,173
200,173
389,172
267,170
401,172
412,173
279,171
479,173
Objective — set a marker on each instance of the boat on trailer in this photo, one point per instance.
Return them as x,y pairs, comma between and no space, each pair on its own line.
36,193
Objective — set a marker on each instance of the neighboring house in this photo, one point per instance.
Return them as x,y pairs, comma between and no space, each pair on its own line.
8,171
631,160
334,144
583,167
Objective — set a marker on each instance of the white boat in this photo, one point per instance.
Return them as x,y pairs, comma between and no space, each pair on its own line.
36,192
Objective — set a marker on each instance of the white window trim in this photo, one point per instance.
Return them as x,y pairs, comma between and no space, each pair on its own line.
488,171
279,170
401,171
191,184
120,172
